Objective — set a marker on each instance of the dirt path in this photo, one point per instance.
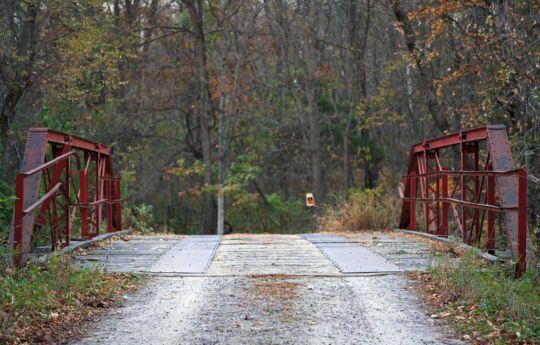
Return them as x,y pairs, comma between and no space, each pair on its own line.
270,289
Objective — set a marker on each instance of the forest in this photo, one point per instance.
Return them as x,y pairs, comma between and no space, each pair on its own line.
244,106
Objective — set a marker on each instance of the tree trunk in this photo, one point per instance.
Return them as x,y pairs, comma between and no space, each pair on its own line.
221,148
315,142
195,8
358,92
499,8
313,56
427,75
7,114
346,182
17,61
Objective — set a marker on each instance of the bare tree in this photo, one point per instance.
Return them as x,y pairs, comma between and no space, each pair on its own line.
426,69
203,106
20,41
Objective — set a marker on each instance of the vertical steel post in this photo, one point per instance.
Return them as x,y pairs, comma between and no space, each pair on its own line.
490,191
433,187
91,160
108,205
68,224
412,223
437,220
464,233
83,187
437,209
54,223
118,207
476,193
470,186
444,216
18,221
429,207
522,222
99,193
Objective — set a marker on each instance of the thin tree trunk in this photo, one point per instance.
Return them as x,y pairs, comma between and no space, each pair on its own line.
17,62
195,8
358,86
410,101
7,114
221,148
315,141
499,8
312,56
427,75
346,182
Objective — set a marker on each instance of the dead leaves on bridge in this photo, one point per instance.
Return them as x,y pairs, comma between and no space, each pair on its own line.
278,291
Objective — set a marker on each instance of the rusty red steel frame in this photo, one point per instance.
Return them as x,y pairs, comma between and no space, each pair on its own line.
71,174
485,184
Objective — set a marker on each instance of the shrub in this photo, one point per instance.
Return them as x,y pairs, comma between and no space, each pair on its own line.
7,202
139,217
370,209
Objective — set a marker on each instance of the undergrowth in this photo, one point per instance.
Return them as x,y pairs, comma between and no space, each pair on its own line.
7,202
39,295
370,209
487,303
138,218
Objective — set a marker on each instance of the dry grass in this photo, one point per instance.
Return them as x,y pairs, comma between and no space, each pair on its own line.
371,209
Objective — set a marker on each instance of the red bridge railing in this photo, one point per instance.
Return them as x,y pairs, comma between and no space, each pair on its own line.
71,174
485,184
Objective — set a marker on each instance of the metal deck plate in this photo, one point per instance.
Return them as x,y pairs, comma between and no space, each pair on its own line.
350,257
354,258
191,255
324,238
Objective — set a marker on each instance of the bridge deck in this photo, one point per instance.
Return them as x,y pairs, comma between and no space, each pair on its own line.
269,254
268,289
242,254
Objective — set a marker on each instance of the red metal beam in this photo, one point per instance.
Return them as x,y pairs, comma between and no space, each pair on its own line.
470,135
465,203
75,141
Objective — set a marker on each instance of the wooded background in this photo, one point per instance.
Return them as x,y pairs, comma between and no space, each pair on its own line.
261,101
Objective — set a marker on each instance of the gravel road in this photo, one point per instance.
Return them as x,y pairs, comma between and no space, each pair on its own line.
276,301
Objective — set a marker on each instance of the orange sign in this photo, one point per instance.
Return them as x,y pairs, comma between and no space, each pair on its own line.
309,200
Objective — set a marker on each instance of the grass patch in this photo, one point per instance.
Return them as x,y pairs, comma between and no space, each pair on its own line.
484,301
370,209
39,302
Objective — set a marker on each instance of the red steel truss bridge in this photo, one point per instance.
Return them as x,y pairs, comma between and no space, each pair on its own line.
483,184
67,183
65,180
